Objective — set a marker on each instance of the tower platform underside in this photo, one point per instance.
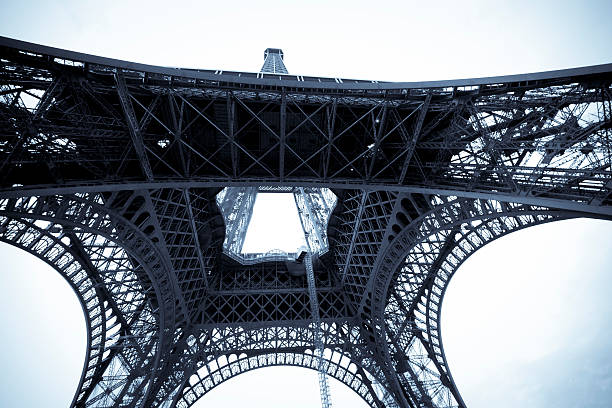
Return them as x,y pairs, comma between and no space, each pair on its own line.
110,172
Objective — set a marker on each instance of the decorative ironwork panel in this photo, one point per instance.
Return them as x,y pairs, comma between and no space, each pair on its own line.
137,183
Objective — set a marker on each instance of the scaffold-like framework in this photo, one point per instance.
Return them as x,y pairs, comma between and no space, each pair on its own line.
136,183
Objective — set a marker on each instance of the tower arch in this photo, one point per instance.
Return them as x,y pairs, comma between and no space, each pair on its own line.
421,264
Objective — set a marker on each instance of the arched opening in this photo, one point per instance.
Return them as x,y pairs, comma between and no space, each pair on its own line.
43,333
276,221
488,314
526,321
276,387
275,225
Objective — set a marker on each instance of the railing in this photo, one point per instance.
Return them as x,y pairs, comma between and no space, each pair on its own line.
253,258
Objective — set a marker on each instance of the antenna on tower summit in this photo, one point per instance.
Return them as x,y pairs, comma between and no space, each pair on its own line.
273,61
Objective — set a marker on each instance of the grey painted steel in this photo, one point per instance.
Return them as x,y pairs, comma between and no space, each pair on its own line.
273,62
236,78
319,347
113,173
544,202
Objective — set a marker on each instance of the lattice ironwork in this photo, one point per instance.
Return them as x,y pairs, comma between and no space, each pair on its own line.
119,176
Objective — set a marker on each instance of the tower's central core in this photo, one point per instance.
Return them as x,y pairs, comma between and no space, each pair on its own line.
275,225
313,207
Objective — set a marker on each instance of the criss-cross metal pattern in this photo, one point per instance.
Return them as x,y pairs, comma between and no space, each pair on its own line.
110,171
273,61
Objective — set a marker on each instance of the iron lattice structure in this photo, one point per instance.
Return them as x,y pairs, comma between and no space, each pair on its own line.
110,172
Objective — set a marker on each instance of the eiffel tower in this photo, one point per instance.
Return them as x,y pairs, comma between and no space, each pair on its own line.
136,183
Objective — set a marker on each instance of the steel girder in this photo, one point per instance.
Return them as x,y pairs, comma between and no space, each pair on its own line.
402,310
236,205
540,141
125,293
315,206
109,172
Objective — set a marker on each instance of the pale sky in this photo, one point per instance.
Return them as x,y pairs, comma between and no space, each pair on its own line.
269,231
526,319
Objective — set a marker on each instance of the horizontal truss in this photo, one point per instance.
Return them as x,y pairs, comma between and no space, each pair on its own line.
110,172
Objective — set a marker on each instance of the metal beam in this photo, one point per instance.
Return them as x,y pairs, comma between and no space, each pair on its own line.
245,78
194,233
283,135
357,224
596,211
411,145
133,125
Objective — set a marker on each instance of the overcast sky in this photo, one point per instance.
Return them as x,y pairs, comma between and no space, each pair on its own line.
526,321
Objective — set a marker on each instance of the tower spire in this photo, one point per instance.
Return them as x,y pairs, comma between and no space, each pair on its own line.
273,61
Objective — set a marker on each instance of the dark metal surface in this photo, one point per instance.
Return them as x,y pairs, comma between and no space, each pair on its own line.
252,78
109,171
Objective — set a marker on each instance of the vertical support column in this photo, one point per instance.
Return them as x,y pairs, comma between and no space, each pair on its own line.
231,114
416,133
314,209
237,209
194,234
283,135
133,125
314,302
331,121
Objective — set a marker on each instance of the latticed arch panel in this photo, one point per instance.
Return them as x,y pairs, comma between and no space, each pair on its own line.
44,244
216,347
155,144
535,138
214,374
419,263
104,258
423,305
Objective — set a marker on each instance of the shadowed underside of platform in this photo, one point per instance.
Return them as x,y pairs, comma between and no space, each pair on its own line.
109,171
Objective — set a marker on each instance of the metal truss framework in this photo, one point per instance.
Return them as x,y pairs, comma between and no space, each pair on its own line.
110,172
